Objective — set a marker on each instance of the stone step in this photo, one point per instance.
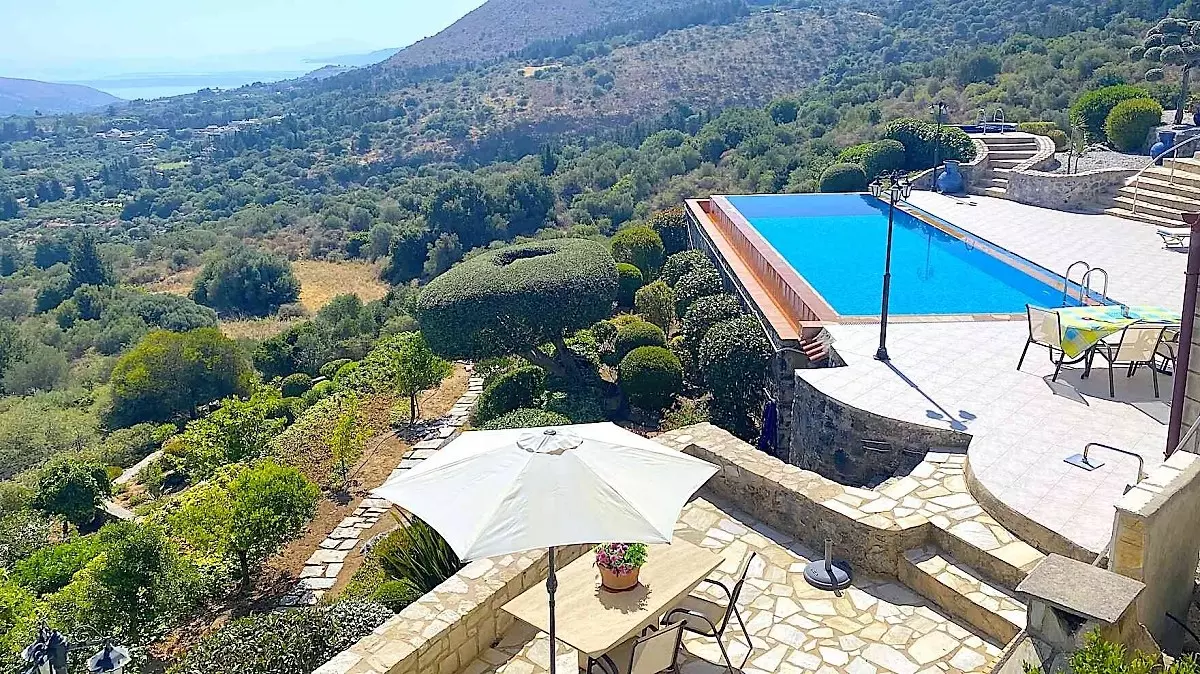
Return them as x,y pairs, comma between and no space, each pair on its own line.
1000,192
984,545
993,155
1182,164
997,170
1156,183
1166,175
963,592
1142,216
1005,163
1150,194
1007,139
1166,212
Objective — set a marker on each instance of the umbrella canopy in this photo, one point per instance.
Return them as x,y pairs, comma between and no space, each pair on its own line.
491,493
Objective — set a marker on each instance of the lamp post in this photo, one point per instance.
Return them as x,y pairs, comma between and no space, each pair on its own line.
48,655
897,187
938,110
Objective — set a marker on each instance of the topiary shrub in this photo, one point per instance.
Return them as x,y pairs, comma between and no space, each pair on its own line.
641,247
579,404
636,334
396,594
702,315
1128,125
733,356
671,225
680,264
512,390
843,178
917,136
650,377
526,418
331,368
295,385
657,303
629,280
881,156
1090,111
694,285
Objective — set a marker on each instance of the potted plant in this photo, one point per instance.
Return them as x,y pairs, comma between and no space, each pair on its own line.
619,564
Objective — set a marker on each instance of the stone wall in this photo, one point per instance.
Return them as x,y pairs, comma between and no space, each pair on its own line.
1156,541
828,437
1078,191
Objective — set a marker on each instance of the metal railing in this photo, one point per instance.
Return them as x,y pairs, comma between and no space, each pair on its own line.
1141,473
1084,283
1190,436
1137,178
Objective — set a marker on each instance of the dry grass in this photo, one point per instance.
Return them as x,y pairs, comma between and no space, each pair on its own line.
179,283
322,281
254,328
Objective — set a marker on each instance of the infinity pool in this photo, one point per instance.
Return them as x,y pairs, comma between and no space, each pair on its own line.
836,242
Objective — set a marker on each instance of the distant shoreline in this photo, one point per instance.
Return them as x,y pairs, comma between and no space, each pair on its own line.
156,85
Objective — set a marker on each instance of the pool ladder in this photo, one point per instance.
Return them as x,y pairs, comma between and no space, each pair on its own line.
1084,283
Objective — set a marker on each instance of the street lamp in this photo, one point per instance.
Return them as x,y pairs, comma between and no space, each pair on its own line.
938,110
897,187
110,660
48,655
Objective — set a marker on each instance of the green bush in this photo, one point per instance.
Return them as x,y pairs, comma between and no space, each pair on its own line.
917,136
417,554
1090,111
701,316
657,303
510,391
579,404
695,284
320,390
396,594
247,283
1037,128
671,225
636,334
526,418
629,280
294,385
680,264
297,640
1128,125
844,178
640,246
604,331
733,356
331,368
650,377
50,569
881,156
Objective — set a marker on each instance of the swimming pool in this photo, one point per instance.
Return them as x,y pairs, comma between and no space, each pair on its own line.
837,242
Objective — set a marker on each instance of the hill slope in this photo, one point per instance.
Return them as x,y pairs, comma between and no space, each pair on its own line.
25,97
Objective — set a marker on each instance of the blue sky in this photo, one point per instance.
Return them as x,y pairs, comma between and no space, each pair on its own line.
89,36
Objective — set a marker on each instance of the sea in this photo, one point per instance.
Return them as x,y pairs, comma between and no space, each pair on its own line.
147,86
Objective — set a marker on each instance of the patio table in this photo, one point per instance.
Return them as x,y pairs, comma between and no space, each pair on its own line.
1083,327
593,620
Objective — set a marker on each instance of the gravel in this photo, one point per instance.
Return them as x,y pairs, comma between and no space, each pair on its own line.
1101,159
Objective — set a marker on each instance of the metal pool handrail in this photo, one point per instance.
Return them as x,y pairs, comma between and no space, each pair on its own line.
1141,475
1137,178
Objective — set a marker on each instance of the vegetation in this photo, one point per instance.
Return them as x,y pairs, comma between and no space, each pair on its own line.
1090,111
247,283
1172,42
73,490
634,334
417,554
875,158
650,377
640,246
679,264
512,390
733,357
671,226
925,143
844,178
629,281
1129,123
657,303
700,282
1100,656
526,418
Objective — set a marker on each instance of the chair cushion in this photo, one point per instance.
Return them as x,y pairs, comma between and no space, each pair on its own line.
713,611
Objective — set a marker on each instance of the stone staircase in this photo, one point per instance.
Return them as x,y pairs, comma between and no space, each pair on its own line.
1163,194
989,605
1005,151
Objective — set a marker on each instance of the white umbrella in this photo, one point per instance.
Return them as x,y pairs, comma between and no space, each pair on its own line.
492,493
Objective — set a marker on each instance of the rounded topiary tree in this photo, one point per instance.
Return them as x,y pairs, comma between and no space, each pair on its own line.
1171,43
526,418
629,280
295,385
515,299
680,264
641,247
733,356
924,142
875,158
702,315
510,391
671,225
657,303
1091,109
695,284
1128,125
637,334
650,377
844,178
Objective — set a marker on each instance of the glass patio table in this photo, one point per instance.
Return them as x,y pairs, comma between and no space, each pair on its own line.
1083,327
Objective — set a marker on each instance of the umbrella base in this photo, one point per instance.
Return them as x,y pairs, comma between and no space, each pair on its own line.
835,576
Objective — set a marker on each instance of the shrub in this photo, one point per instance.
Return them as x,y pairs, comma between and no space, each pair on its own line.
734,356
702,315
396,594
629,280
510,391
640,246
917,137
526,418
657,303
843,178
881,156
247,283
417,554
604,331
321,390
579,404
680,264
685,412
295,385
637,334
73,489
650,377
1090,111
22,533
1130,121
331,368
1037,128
672,227
694,285
50,569
298,640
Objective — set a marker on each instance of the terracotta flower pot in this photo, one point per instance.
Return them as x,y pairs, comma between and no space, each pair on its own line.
615,582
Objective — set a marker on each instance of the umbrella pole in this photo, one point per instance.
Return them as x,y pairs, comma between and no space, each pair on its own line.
551,586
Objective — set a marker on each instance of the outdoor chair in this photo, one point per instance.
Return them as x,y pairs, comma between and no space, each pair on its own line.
1135,345
656,650
1175,237
710,619
1045,330
1168,350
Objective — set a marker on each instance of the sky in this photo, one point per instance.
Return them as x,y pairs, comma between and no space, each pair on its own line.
65,39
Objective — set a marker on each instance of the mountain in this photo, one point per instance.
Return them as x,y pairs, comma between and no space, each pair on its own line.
26,97
356,60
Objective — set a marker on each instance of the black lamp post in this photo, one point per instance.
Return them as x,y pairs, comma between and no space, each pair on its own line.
897,187
938,110
48,655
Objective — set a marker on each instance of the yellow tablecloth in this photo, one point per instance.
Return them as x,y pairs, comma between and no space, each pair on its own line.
1083,327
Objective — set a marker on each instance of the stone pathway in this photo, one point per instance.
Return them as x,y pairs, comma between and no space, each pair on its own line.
877,626
323,566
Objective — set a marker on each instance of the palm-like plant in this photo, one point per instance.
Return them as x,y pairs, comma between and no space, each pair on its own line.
418,554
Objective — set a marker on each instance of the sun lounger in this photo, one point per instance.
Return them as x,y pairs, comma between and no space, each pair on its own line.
1175,237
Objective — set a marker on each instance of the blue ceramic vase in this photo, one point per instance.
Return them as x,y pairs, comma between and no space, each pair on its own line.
1166,139
950,180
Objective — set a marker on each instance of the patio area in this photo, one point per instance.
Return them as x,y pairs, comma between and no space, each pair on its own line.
877,626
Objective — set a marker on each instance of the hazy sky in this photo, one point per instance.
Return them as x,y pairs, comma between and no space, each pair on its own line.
63,36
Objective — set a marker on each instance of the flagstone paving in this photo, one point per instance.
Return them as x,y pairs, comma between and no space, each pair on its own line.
877,626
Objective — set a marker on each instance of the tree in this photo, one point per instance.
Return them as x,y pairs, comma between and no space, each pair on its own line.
1171,43
443,253
10,208
362,142
346,440
72,489
733,356
248,282
244,514
641,247
80,187
238,430
656,302
169,374
516,299
86,266
460,206
672,227
978,67
416,368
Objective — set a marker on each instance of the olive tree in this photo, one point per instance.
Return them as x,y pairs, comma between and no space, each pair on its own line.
72,489
518,298
1171,43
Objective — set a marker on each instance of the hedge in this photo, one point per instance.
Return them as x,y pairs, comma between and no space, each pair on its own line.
657,303
629,279
1090,111
514,299
843,178
637,334
680,264
641,247
650,377
526,418
671,225
330,369
1128,125
695,284
512,390
881,156
705,313
1049,130
733,356
295,385
917,136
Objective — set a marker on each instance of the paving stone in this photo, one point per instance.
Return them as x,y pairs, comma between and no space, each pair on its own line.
333,570
932,646
345,532
891,659
312,571
330,543
326,557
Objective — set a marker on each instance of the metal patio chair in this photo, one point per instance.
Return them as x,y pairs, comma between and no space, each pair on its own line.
710,619
656,650
1136,345
1046,330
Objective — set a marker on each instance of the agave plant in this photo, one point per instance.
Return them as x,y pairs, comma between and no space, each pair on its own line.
418,554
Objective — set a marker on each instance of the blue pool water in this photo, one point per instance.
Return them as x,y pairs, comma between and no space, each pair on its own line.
837,243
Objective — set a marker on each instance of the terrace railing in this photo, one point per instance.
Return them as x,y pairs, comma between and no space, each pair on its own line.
1137,178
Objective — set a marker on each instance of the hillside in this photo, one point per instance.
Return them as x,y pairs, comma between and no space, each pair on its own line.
25,97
